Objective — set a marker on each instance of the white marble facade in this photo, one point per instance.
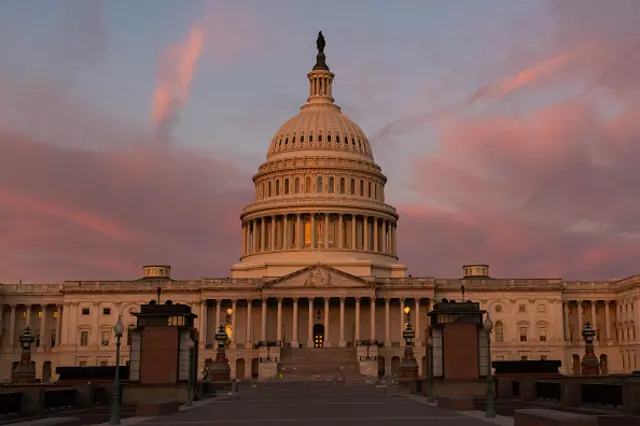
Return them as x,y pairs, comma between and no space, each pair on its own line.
319,247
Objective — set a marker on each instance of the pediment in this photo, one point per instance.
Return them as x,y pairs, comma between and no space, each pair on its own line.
319,276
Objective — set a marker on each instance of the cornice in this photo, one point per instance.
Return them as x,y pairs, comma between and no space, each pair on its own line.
322,204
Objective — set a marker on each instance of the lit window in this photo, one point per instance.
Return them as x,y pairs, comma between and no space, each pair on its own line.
105,338
542,333
523,333
40,314
55,315
499,331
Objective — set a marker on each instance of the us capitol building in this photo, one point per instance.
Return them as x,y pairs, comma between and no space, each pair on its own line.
319,267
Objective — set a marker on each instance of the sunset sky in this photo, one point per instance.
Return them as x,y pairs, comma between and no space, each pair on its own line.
129,130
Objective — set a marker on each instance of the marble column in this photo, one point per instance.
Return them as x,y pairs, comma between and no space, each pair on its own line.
387,321
27,322
607,320
567,334
354,232
342,342
299,234
64,334
327,341
594,324
263,234
416,320
279,320
310,338
365,233
375,234
285,232
372,319
233,321
263,336
272,234
217,318
294,342
326,234
357,336
580,312
249,327
43,327
313,230
401,317
58,324
12,325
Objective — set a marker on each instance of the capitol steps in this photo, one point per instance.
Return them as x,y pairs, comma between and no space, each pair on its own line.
320,364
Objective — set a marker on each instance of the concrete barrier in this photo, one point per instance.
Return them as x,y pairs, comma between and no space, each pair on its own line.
542,417
459,403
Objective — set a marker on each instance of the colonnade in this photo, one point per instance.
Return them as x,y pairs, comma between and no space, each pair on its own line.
320,231
622,328
27,312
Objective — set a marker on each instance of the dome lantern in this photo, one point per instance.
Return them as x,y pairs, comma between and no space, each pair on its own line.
320,78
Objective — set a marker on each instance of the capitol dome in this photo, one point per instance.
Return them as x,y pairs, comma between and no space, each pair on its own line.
319,195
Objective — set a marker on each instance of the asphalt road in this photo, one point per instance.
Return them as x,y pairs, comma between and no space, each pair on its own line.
314,404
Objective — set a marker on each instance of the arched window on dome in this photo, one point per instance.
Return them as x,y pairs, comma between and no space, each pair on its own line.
375,191
369,189
296,185
301,138
277,188
353,142
286,187
342,185
328,138
331,185
337,139
319,185
352,188
263,194
269,189
320,138
310,138
499,331
307,185
286,141
361,188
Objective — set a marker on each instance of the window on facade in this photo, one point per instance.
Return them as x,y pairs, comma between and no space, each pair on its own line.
319,138
55,315
86,311
104,363
352,189
106,311
277,188
342,185
105,338
307,232
542,333
543,357
524,358
296,185
498,308
542,309
499,331
331,185
319,185
375,191
269,189
522,330
361,188
328,138
499,357
307,185
84,338
286,187
39,314
369,190
310,138
337,138
522,308
82,363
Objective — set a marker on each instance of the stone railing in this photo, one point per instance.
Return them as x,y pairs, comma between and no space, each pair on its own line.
619,393
38,400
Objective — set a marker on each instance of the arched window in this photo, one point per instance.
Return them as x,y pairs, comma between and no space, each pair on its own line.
369,189
499,331
296,185
263,194
375,191
352,189
329,138
277,188
269,189
307,185
361,187
286,187
331,185
320,138
319,185
337,138
342,185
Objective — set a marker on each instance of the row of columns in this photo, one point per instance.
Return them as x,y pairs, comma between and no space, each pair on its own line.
311,322
28,310
282,232
629,316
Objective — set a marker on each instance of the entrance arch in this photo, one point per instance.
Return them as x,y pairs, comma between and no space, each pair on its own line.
318,336
395,366
380,366
240,369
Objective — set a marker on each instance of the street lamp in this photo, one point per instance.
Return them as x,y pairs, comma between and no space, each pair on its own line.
488,326
189,344
118,330
430,372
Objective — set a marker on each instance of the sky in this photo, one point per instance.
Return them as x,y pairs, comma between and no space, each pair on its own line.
508,129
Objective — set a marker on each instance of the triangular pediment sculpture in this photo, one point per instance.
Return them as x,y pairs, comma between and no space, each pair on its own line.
319,276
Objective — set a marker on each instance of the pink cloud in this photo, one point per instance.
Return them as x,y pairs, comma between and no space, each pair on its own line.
549,192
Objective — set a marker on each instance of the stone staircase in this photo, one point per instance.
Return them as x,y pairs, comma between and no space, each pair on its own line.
322,364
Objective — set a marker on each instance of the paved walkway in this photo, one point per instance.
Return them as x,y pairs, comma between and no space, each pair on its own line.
314,404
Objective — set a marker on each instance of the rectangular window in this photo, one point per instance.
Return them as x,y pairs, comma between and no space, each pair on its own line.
82,363
524,358
55,315
86,311
542,309
84,338
522,308
543,357
106,311
105,338
523,333
104,363
39,314
542,333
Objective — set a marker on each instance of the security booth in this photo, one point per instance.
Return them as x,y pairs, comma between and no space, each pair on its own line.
164,345
459,341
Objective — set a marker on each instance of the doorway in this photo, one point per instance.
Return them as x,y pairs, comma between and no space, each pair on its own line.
318,336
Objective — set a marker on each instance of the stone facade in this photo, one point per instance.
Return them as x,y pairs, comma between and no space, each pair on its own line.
319,267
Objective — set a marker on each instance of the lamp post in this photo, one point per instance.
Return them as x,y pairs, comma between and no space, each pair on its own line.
488,326
189,344
118,330
430,372
408,365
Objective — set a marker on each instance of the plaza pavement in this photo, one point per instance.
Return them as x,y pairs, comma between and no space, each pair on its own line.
314,404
